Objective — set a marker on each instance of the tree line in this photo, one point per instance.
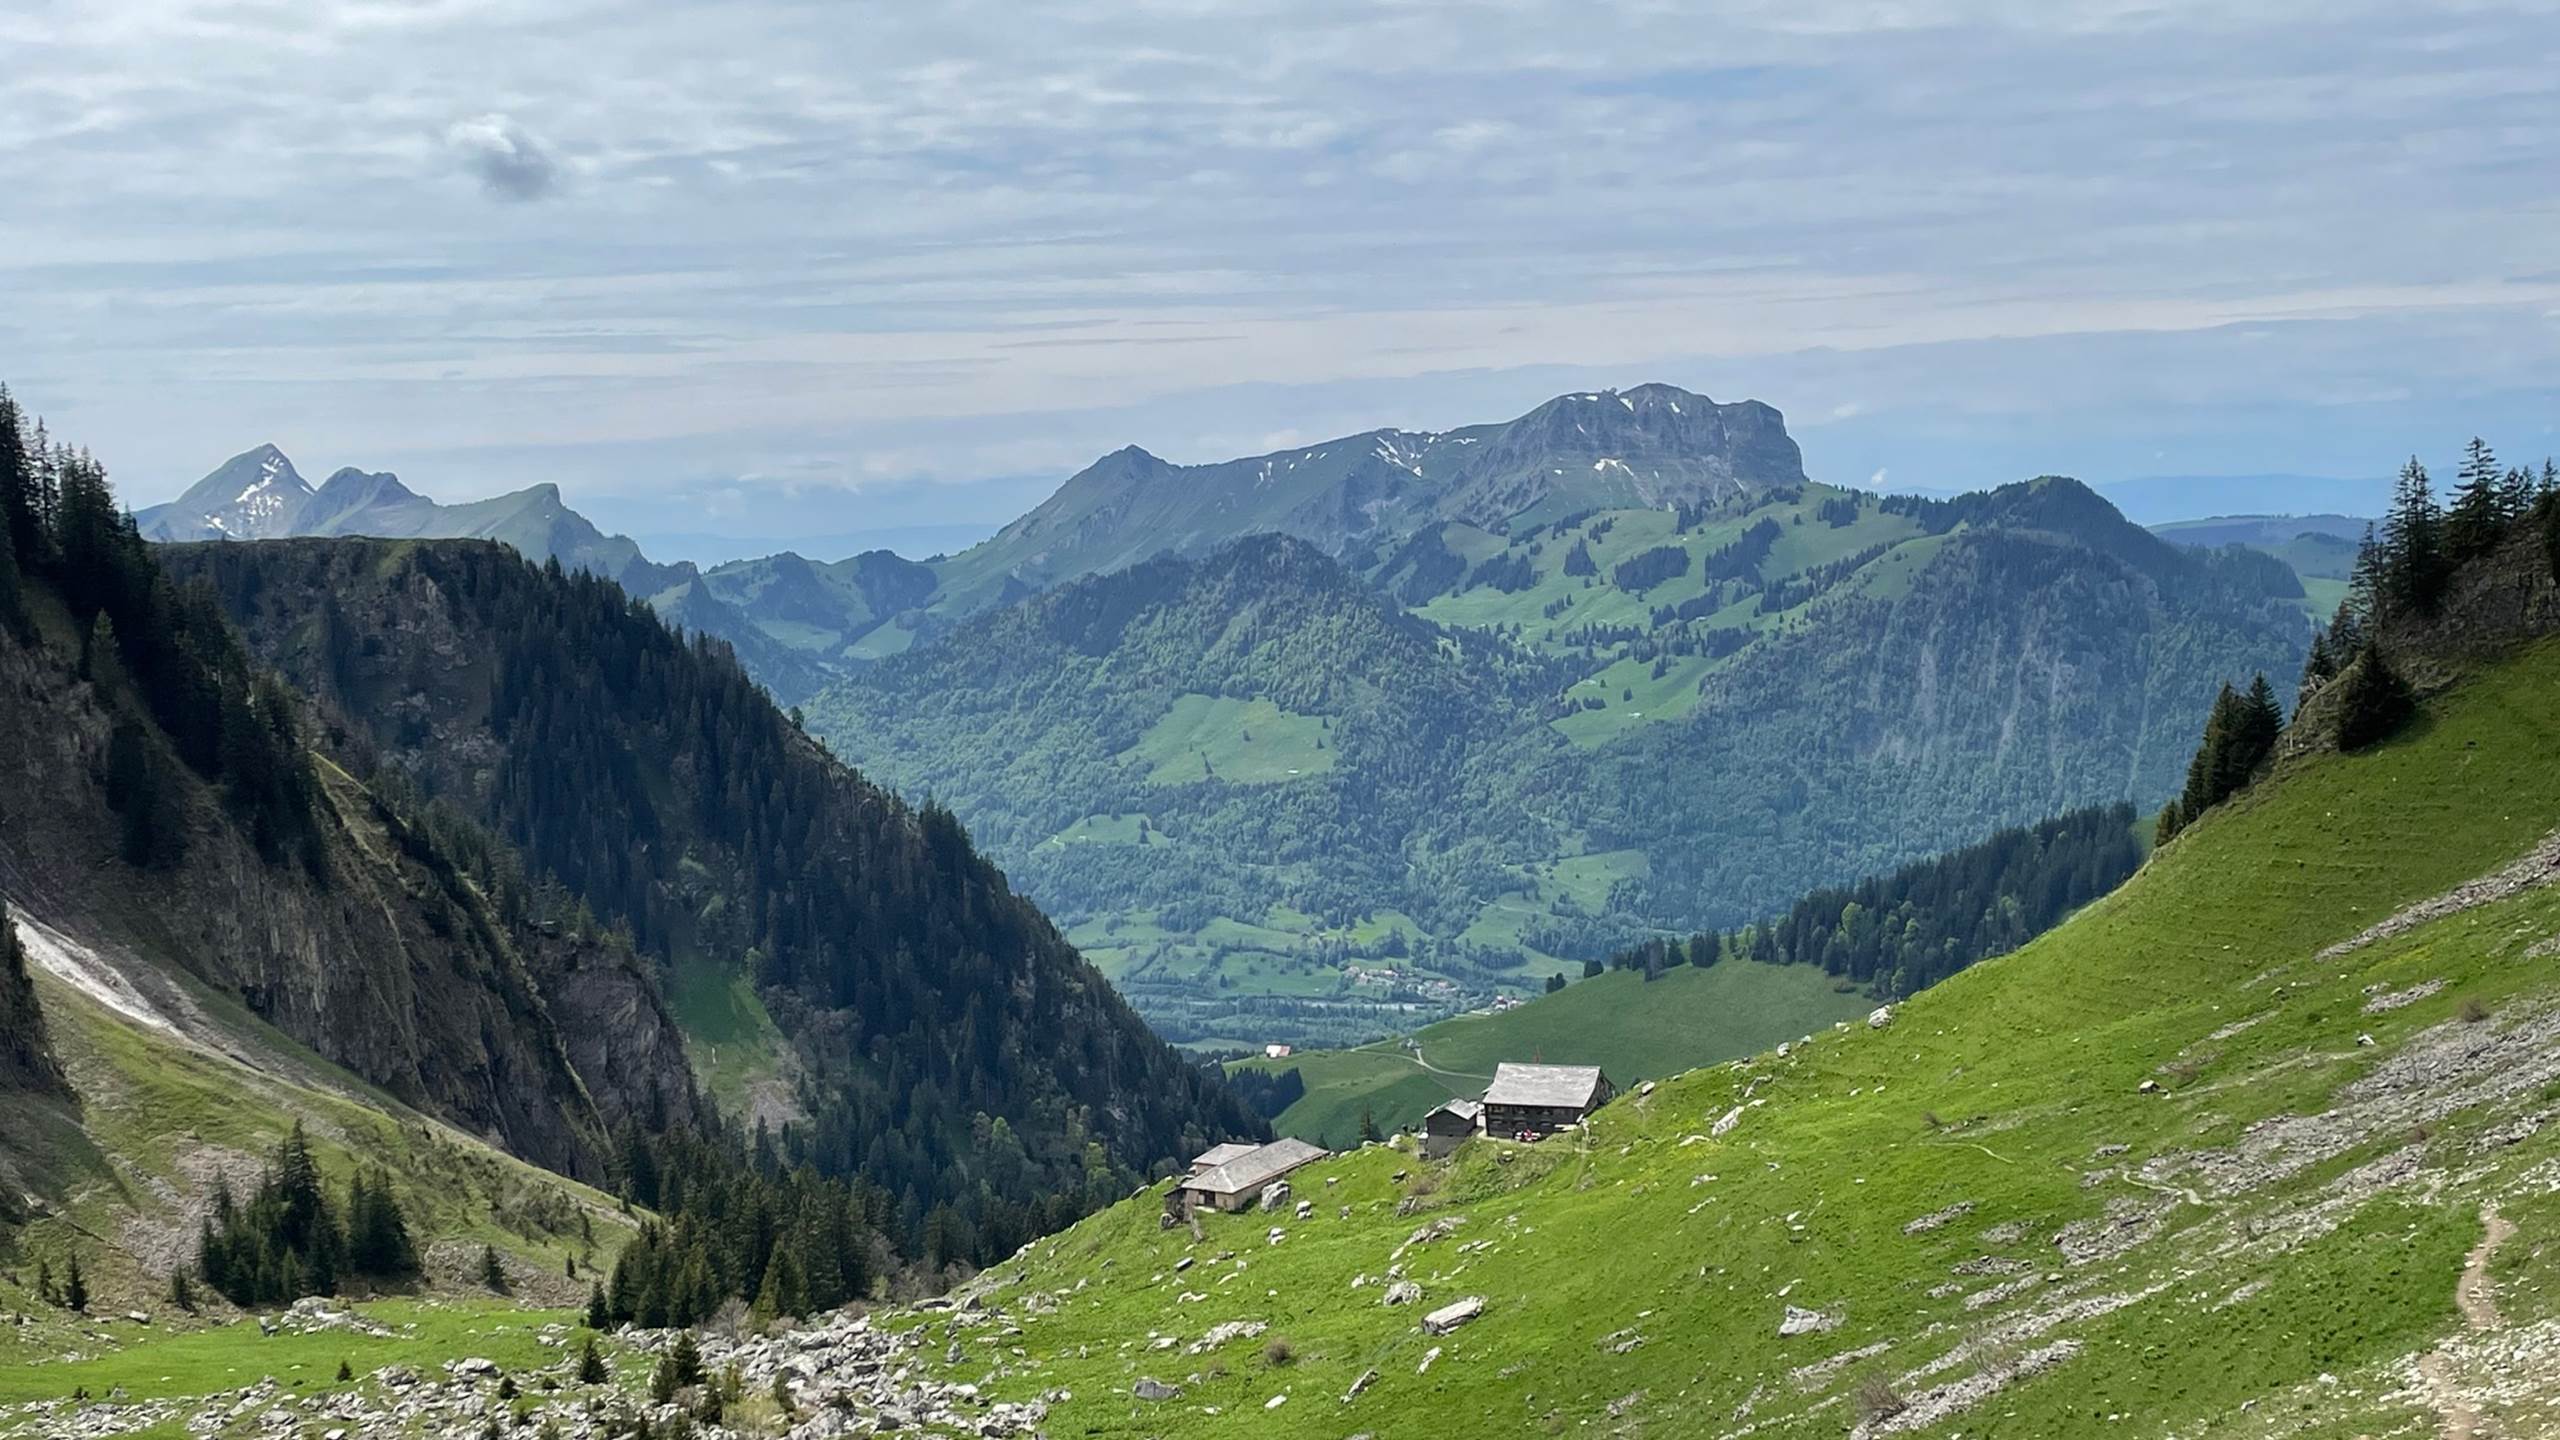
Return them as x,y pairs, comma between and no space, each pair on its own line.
1897,933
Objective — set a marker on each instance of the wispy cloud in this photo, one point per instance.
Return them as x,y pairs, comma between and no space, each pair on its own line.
1938,227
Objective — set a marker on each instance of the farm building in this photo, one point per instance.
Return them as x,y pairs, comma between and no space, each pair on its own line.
1444,1128
1237,1182
1535,1101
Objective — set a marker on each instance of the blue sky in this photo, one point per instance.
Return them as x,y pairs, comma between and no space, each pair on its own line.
777,268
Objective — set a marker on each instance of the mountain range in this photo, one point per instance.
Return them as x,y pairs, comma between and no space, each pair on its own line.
1312,744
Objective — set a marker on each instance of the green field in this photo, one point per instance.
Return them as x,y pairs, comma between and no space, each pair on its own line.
2166,1130
1244,742
735,1044
1633,1030
161,1364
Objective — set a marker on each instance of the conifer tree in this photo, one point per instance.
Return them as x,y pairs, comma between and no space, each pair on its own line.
2373,702
2478,513
493,1276
2413,544
2516,495
591,1369
75,1286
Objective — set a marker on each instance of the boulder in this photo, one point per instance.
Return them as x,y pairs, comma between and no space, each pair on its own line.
1276,1196
1800,1321
1367,1378
1403,1292
1149,1388
1449,1317
1880,1017
1725,1123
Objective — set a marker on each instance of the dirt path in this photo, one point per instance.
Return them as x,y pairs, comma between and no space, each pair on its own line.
2479,1307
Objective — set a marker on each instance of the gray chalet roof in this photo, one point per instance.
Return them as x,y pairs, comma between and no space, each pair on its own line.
1463,1109
1545,1086
1217,1155
1255,1167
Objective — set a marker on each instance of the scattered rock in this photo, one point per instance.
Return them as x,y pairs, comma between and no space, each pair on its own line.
1276,1196
2385,1000
1800,1321
1403,1292
1149,1388
1450,1316
1367,1378
1880,1017
1938,1218
1725,1123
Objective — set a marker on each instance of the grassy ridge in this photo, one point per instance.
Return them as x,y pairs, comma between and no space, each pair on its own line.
1633,1030
2003,1090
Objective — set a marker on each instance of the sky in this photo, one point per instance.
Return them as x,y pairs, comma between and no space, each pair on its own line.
774,269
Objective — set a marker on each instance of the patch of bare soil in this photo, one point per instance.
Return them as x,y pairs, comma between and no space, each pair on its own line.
2438,1373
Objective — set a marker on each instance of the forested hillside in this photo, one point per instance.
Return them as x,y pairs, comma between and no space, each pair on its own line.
866,975
164,826
1281,797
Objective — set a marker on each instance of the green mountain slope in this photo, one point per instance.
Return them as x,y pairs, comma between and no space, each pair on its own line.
1254,783
2202,1119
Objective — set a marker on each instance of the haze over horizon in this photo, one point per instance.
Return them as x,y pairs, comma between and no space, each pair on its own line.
760,275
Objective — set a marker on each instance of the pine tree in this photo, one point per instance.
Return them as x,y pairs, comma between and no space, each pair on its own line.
2373,702
2319,667
1369,1133
346,1372
2516,495
2206,769
182,1291
688,1359
493,1276
598,1317
591,1369
75,1286
2413,545
2166,827
2477,516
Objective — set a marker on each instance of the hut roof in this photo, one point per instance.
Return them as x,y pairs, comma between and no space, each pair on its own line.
1545,1086
1217,1155
1462,1109
1255,1167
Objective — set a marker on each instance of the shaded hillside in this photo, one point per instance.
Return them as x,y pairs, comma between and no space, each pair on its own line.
660,787
168,836
1278,803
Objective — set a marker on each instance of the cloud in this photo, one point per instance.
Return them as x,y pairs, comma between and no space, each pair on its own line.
510,163
1910,224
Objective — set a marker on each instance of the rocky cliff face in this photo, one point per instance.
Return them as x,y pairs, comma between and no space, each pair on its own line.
382,959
